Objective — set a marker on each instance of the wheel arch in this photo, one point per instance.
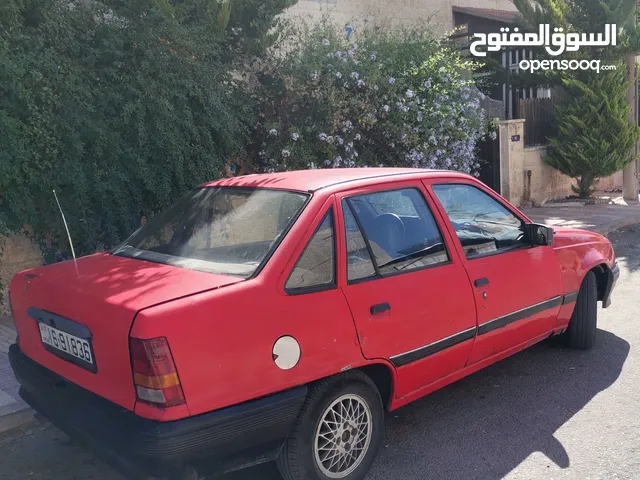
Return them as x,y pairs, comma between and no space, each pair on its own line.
384,378
601,272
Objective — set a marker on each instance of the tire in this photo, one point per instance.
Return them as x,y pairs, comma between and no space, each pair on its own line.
581,333
304,450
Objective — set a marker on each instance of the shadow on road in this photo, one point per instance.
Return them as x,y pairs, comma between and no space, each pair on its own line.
626,247
484,426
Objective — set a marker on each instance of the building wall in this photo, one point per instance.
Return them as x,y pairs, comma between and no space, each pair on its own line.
543,183
437,13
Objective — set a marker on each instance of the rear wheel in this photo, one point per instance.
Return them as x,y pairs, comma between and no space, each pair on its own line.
581,333
338,433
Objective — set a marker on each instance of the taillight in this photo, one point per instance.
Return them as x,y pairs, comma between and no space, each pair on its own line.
154,373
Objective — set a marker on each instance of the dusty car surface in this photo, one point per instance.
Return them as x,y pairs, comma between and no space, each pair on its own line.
279,316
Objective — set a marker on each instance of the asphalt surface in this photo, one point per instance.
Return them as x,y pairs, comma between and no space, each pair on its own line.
547,412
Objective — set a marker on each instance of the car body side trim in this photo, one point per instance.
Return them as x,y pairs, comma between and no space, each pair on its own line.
433,348
570,298
469,333
521,314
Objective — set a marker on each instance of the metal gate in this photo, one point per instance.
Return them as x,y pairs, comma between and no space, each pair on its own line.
488,152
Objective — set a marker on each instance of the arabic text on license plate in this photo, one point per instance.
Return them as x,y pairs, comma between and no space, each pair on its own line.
69,344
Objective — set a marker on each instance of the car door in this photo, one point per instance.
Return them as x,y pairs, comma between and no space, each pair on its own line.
517,287
407,289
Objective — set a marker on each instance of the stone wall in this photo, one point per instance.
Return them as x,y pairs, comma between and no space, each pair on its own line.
437,13
525,177
18,253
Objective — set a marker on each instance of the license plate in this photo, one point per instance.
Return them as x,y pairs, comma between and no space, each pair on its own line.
66,343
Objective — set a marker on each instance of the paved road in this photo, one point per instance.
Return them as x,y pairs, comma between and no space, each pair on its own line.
546,413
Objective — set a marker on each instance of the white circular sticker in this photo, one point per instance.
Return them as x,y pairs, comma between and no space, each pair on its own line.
286,353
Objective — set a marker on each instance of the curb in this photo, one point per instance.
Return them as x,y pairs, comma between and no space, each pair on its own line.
20,420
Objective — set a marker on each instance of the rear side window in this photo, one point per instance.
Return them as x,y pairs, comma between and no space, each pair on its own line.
315,269
400,232
359,263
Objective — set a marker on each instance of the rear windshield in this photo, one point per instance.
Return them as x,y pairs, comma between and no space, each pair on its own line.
224,230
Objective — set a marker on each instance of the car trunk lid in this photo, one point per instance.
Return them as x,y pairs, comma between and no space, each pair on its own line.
95,299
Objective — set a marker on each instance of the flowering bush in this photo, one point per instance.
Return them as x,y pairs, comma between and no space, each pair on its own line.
381,99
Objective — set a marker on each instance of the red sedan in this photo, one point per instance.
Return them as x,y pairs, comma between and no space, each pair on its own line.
278,317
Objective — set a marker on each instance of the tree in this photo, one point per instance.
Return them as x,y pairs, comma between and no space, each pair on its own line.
594,134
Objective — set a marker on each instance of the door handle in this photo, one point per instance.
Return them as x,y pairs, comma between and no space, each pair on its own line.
481,282
380,308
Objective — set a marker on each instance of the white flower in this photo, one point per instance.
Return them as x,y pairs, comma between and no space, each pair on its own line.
295,137
410,94
323,137
273,132
360,83
391,80
286,153
326,42
358,137
338,75
386,108
355,75
373,57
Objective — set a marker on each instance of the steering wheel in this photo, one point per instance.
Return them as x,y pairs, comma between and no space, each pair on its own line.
391,231
469,226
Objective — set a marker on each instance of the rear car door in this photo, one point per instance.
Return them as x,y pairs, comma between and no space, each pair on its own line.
517,287
408,291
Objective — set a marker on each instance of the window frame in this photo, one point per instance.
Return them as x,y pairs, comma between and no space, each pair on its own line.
326,286
510,209
378,276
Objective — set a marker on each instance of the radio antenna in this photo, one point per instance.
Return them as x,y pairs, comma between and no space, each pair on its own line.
64,220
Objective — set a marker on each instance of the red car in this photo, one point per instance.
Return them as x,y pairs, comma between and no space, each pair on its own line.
278,317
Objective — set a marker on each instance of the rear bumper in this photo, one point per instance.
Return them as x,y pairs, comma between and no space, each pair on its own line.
612,279
226,439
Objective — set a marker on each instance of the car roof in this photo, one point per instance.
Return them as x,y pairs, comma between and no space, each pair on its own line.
313,180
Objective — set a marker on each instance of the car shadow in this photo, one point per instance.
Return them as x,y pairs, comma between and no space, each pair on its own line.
485,425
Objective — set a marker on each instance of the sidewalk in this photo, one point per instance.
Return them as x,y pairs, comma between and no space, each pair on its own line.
598,218
602,219
13,411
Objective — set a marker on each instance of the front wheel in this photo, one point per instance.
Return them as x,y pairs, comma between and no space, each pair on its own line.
581,333
339,431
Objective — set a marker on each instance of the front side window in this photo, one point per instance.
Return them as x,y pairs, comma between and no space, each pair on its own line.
226,230
315,269
401,233
482,224
359,263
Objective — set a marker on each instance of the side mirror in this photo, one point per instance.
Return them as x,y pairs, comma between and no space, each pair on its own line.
537,234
